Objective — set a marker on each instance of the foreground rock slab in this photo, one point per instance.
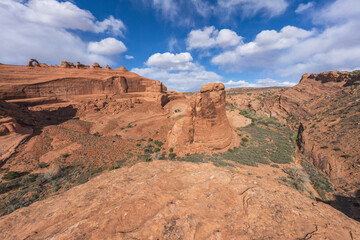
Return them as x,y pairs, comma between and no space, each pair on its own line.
178,200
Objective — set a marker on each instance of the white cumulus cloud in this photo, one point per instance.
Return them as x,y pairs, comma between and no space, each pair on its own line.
303,7
210,37
267,82
170,61
177,71
107,46
41,29
129,57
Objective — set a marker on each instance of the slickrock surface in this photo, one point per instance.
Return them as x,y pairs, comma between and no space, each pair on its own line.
205,128
173,200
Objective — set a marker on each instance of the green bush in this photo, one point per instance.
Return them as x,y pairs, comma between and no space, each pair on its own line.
158,143
244,139
346,156
156,149
337,149
275,165
324,147
66,155
42,165
172,155
150,140
11,175
138,144
171,150
97,134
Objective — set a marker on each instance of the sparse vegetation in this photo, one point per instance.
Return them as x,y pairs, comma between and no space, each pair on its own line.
319,181
158,143
346,156
297,178
42,165
172,155
156,150
324,147
337,149
11,175
171,150
97,134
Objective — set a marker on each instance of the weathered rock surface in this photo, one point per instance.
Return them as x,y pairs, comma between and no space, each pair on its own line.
205,128
177,200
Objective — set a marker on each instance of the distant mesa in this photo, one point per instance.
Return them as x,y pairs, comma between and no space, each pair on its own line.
349,78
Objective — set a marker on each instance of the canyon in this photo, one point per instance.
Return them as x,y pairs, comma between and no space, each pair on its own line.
91,152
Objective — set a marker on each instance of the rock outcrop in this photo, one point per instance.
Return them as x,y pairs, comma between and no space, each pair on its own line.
81,66
205,128
96,65
33,63
179,200
65,64
52,82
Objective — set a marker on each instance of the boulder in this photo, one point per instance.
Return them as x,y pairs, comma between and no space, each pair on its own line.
122,69
96,65
65,64
205,128
81,66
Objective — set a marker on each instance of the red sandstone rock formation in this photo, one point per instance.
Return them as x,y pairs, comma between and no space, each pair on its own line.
205,128
65,64
52,82
179,200
33,63
107,67
96,65
81,66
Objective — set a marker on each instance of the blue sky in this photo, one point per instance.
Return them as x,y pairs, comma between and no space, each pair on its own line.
188,43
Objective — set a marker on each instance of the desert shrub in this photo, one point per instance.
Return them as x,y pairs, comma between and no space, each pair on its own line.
11,175
297,178
346,156
324,147
158,143
171,150
337,149
52,172
66,155
244,139
275,166
156,150
97,134
150,140
319,181
138,144
172,155
42,165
